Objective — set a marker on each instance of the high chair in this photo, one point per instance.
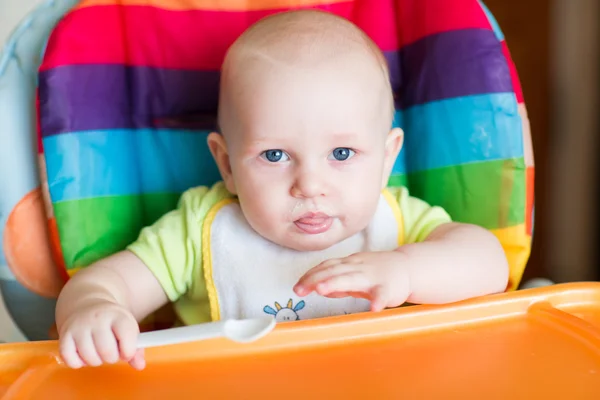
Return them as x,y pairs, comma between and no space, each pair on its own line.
125,91
105,106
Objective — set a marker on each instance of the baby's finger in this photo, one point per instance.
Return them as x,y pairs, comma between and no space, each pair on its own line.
356,258
87,350
126,332
326,264
302,287
138,362
68,352
106,345
349,282
338,295
380,297
312,278
352,259
357,295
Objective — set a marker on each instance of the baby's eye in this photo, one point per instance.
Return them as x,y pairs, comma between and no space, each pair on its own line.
342,153
274,155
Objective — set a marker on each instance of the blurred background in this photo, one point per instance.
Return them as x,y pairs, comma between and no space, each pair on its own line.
556,47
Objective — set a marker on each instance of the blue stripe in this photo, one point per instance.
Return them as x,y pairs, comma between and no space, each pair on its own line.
493,22
125,162
399,167
462,130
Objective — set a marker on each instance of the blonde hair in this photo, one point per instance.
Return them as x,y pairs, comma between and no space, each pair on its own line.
302,38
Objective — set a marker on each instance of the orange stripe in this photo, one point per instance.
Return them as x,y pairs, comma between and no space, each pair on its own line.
213,5
517,247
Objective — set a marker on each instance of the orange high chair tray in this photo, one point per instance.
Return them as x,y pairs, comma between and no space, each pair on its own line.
534,344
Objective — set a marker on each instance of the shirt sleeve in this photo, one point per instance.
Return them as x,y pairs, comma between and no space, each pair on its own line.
171,247
419,218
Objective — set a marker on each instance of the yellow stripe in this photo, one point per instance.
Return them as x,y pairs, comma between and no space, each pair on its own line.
73,271
397,214
211,289
213,5
517,246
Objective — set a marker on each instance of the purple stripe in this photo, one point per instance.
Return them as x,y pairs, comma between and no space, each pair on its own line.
453,64
95,97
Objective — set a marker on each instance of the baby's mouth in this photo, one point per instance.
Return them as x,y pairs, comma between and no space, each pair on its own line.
314,223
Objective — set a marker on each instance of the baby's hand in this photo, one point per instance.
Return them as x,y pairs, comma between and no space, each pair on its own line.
102,332
381,277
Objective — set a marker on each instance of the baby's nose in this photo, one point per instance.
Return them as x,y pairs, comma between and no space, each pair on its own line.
308,184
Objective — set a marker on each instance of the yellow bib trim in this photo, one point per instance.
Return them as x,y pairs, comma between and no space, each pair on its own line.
211,289
393,203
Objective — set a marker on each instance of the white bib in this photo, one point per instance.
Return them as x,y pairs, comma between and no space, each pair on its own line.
254,277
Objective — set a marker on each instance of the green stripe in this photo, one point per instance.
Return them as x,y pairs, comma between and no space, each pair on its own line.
398,180
490,194
94,228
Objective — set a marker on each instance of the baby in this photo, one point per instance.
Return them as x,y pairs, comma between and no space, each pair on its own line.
302,224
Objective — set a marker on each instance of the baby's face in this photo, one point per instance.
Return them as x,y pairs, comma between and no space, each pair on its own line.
310,153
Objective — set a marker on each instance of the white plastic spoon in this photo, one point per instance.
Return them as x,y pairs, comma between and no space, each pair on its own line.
242,331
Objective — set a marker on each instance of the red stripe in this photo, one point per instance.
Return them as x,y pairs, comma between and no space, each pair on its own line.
514,76
420,18
198,39
529,184
147,36
56,250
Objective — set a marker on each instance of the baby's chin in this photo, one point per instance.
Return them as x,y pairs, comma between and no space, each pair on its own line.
316,242
294,239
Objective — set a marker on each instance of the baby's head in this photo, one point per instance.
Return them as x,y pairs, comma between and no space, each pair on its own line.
305,113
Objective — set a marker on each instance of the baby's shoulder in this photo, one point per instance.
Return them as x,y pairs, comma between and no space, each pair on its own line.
407,201
397,191
398,194
200,199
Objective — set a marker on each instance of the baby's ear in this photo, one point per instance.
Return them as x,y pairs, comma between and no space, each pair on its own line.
393,145
218,148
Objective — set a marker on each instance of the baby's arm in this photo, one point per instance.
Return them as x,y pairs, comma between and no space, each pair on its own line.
98,311
455,262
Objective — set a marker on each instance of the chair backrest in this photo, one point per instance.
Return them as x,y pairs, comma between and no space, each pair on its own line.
128,90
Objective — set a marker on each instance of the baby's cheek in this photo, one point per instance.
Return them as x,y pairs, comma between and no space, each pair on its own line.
363,207
261,224
264,216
